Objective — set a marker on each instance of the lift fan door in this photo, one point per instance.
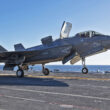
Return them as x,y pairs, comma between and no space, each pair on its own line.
75,60
65,30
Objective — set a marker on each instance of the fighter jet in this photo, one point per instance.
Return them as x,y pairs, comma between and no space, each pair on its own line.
64,49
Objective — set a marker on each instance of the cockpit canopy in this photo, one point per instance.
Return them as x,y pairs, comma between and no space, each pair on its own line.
88,34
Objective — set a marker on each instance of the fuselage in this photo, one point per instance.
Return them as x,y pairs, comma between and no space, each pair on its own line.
60,48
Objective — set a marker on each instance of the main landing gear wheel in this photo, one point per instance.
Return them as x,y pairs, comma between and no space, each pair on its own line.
46,71
20,73
84,70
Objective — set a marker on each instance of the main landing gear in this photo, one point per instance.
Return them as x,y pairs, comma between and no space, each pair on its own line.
84,69
20,73
45,70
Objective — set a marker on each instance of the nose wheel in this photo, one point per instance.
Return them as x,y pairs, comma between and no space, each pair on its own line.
84,69
45,70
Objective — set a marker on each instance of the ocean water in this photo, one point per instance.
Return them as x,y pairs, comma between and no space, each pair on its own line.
69,68
73,68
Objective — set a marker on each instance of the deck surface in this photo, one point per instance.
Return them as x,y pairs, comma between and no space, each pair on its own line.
59,91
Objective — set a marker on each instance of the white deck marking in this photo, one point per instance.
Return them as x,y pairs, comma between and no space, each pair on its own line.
72,77
66,106
42,101
26,99
104,87
56,93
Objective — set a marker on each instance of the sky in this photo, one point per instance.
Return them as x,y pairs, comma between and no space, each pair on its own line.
27,21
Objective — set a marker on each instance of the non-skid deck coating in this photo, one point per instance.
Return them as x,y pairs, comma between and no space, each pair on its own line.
59,91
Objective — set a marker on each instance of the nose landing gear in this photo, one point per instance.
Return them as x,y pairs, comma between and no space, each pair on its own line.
84,69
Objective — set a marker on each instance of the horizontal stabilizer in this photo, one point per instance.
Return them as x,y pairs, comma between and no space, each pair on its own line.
19,47
2,49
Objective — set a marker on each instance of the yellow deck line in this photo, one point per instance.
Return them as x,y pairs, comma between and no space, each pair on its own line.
7,74
61,77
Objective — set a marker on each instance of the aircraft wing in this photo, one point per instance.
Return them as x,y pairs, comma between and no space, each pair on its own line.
14,58
24,53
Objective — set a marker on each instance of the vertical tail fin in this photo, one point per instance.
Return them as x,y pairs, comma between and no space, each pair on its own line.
2,49
19,47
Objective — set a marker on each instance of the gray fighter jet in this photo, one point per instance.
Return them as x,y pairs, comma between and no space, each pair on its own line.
64,49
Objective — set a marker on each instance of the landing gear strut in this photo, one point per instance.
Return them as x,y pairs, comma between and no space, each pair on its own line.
45,70
84,69
20,72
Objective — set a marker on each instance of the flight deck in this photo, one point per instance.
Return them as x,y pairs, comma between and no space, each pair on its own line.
59,91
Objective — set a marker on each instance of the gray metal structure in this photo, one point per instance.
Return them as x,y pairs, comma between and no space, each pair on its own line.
64,49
